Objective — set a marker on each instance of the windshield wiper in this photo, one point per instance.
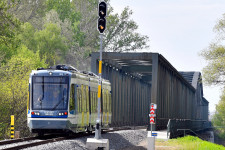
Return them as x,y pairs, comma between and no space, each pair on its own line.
40,98
63,98
58,103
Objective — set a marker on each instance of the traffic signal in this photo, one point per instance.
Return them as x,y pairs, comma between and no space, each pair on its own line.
101,24
102,9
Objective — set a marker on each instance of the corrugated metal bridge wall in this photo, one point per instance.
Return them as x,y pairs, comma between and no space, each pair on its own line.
131,96
175,97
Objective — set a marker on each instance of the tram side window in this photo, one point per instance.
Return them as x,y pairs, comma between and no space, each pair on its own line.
107,101
110,102
84,98
72,99
104,100
79,98
94,101
87,99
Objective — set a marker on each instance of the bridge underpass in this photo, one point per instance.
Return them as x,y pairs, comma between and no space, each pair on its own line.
138,79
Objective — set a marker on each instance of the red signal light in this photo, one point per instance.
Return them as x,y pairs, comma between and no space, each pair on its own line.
32,113
65,113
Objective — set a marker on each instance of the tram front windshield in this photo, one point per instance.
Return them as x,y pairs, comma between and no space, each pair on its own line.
50,93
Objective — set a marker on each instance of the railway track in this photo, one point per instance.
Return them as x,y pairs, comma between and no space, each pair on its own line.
25,143
22,143
16,140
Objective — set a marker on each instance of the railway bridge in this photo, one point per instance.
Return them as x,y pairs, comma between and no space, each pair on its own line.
139,79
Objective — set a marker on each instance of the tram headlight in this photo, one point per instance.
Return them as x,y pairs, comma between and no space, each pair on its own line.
35,113
63,113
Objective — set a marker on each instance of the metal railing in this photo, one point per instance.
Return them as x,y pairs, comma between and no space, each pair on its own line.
192,132
175,126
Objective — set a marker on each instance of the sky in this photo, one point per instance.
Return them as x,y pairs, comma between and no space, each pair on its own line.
179,30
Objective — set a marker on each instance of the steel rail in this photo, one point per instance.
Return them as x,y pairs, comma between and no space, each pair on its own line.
45,141
35,143
17,140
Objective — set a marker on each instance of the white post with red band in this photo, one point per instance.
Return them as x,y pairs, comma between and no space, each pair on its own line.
152,115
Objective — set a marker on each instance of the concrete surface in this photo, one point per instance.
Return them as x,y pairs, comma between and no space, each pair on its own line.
93,143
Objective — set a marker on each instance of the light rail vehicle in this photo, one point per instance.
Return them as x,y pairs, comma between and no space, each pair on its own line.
64,99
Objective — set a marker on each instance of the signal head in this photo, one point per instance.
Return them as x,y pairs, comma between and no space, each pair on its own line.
101,24
102,8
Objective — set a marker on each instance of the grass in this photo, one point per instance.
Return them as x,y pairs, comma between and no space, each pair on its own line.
187,143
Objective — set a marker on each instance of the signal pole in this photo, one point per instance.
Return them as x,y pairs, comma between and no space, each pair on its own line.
102,8
97,142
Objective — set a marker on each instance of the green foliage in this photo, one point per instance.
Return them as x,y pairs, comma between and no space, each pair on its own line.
67,10
14,88
8,24
63,8
7,51
77,20
26,36
48,41
219,117
214,72
121,33
79,36
8,29
189,143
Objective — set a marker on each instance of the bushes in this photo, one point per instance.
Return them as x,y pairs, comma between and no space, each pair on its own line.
14,89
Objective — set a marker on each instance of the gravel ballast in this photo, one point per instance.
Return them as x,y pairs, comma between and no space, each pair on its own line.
117,140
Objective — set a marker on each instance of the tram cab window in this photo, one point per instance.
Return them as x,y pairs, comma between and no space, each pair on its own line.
49,93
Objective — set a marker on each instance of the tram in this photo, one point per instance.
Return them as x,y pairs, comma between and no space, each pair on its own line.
63,99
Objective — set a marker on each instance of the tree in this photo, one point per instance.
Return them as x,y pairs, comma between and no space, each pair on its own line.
8,28
7,23
219,116
14,89
77,20
32,11
121,35
62,7
26,36
66,27
214,72
48,41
